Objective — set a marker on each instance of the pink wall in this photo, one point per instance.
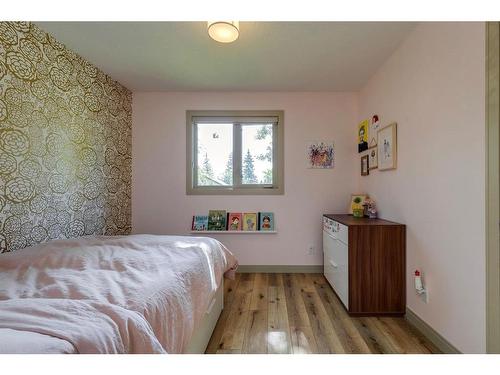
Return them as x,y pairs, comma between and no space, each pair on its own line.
159,200
434,87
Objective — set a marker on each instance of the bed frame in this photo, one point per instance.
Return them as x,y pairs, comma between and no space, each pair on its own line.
199,342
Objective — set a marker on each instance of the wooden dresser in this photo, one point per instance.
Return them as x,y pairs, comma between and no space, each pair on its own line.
365,263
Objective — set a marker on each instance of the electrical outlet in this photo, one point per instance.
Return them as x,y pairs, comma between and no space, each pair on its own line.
310,249
424,297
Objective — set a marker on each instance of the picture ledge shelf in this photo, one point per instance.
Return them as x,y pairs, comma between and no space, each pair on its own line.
234,232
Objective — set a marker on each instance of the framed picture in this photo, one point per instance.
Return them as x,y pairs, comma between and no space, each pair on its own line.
387,147
234,220
320,154
374,127
356,201
200,223
250,221
217,220
372,158
365,171
266,221
363,136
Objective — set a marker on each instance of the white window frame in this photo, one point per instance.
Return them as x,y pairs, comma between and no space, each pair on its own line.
236,118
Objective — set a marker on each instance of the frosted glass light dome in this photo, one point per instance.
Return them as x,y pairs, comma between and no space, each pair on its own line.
224,31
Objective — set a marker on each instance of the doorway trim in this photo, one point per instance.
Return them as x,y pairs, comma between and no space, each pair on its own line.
492,187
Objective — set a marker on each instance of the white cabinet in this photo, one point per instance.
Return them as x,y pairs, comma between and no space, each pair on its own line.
336,259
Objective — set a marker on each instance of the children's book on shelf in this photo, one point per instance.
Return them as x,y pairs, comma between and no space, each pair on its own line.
266,221
234,221
250,221
200,223
217,220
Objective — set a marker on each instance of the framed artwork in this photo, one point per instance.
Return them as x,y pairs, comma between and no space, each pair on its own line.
234,221
217,220
372,157
356,201
320,154
266,221
363,136
250,221
387,147
200,223
365,171
374,128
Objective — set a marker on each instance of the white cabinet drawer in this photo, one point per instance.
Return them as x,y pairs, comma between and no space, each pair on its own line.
340,271
328,244
335,257
338,230
339,251
341,232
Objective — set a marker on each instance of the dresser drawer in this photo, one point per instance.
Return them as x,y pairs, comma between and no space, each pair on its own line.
335,257
340,231
340,271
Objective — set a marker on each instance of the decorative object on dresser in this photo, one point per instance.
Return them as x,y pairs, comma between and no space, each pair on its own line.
365,170
365,263
356,202
387,147
370,208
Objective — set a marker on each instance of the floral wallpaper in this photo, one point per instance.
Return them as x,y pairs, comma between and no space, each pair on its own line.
65,142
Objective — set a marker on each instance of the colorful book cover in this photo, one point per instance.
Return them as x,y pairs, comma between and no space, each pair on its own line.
250,221
217,220
234,221
200,222
266,221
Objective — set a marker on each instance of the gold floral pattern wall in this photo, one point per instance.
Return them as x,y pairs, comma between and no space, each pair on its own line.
65,142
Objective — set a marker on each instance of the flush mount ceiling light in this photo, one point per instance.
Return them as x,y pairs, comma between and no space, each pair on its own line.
224,31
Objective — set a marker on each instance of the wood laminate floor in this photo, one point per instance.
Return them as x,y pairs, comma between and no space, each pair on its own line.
300,313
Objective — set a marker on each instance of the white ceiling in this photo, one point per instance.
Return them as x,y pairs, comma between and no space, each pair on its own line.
268,56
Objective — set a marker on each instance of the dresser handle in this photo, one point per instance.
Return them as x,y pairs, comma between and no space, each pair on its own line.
333,264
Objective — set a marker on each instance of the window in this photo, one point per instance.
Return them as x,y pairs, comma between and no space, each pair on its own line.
234,152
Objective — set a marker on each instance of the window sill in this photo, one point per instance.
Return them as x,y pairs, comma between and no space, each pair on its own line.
229,191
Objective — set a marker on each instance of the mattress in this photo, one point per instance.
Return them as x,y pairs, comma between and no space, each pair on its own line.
101,294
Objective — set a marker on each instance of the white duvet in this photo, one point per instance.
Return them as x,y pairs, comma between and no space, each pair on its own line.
125,294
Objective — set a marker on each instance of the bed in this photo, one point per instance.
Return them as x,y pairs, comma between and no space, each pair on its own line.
120,294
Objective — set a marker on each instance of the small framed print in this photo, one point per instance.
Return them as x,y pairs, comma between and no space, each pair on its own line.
199,223
266,221
234,220
217,220
374,127
356,202
373,157
363,129
250,221
365,168
387,147
320,154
